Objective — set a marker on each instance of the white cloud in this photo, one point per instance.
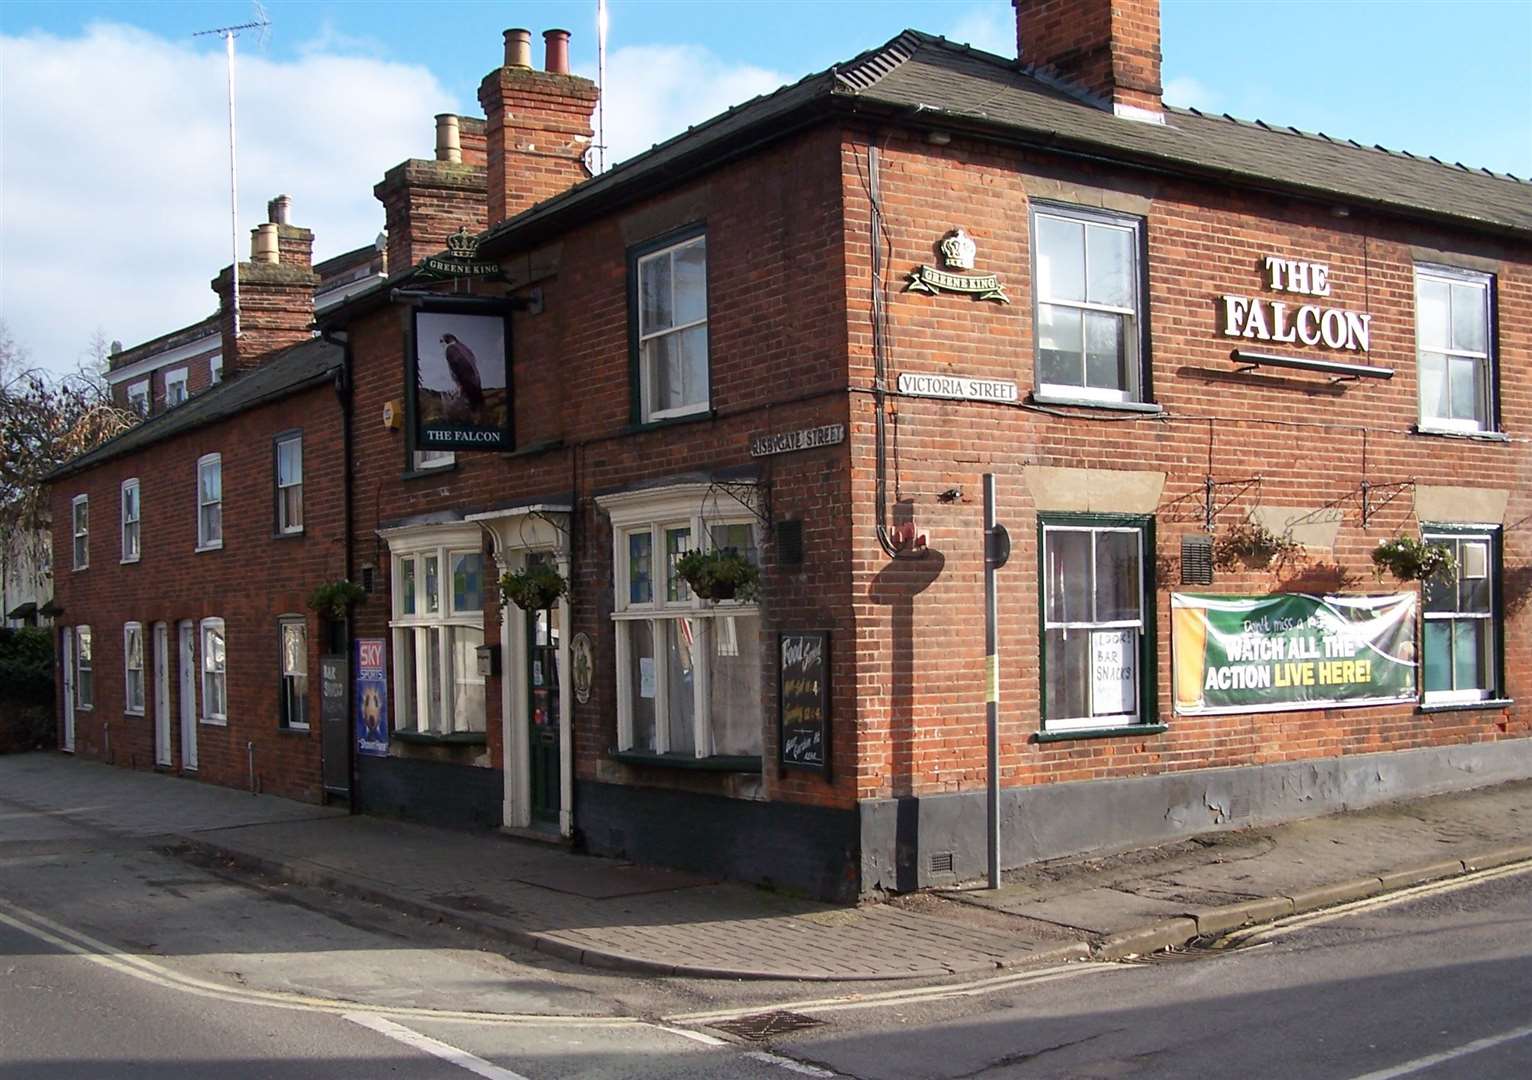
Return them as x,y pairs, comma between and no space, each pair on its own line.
656,91
115,171
991,27
1189,93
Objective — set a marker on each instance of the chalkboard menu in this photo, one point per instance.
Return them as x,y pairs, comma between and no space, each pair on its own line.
803,700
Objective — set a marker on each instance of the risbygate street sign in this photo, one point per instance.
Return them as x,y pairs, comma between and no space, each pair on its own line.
806,439
958,387
1240,654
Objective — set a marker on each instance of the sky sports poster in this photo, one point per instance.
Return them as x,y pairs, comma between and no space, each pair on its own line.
460,363
371,697
1240,654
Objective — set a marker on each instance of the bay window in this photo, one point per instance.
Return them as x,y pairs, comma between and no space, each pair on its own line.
437,628
688,670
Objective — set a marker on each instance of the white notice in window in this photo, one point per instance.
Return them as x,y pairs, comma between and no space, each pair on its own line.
646,676
1112,672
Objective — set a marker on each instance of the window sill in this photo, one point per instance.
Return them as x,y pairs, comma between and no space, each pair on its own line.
429,738
1448,433
210,547
1148,407
542,446
292,729
133,712
1099,733
128,562
77,569
207,721
718,763
670,421
422,474
1463,706
289,534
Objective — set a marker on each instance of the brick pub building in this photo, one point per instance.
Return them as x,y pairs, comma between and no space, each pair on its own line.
807,330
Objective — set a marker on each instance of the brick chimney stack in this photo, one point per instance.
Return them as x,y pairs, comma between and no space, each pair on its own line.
424,202
1108,48
537,125
276,292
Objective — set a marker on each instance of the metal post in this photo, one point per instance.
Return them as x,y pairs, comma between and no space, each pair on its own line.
992,683
233,188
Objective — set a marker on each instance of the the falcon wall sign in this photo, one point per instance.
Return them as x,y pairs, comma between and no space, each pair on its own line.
459,386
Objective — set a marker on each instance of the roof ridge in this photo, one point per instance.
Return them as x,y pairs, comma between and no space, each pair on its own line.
1376,148
864,70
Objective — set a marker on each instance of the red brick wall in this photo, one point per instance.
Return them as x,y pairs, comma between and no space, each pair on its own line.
919,626
537,127
1110,48
249,583
424,202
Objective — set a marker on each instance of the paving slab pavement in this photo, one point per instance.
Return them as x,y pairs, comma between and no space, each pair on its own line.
610,914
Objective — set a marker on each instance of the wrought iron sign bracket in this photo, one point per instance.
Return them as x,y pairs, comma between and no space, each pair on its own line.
1395,488
752,496
1210,504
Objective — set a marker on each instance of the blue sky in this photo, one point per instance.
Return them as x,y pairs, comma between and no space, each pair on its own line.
111,111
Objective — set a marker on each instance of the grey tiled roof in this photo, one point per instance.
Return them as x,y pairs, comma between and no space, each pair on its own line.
287,372
927,81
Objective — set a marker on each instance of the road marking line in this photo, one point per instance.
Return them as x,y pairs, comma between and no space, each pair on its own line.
83,945
1355,907
787,1063
1421,1064
695,1036
973,988
435,1047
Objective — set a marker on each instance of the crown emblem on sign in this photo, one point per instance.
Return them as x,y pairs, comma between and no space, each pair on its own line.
958,250
462,245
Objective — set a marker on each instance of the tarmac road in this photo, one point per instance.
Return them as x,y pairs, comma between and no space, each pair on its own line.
1436,987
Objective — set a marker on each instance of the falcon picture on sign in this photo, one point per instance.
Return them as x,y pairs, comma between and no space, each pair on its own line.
462,398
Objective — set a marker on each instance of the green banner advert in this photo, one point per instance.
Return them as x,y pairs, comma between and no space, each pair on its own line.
1234,654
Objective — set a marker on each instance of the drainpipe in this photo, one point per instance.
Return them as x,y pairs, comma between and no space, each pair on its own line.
250,759
344,383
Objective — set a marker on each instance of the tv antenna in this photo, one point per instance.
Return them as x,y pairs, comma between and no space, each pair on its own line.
229,33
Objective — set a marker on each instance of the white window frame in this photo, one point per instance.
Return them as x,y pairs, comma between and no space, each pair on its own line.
412,692
215,369
699,509
1451,275
647,412
1135,315
205,673
79,524
426,460
205,543
84,668
1490,536
135,520
177,378
129,690
283,675
1051,722
138,397
285,527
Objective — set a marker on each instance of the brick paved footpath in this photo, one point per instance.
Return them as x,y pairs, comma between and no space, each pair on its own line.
617,915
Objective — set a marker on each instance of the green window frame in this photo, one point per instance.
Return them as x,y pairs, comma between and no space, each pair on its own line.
1083,617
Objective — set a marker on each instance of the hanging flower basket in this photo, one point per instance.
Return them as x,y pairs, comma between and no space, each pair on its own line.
534,587
334,598
1251,545
721,574
1409,559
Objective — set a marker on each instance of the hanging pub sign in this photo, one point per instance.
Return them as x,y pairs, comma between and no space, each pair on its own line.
803,700
371,697
958,251
458,377
460,261
1241,654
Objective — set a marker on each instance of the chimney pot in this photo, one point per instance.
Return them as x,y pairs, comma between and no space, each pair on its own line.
518,48
279,209
263,244
558,51
449,146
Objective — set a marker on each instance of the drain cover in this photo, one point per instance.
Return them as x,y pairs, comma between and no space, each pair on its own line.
763,1026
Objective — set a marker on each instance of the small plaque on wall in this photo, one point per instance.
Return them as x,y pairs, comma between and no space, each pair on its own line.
803,700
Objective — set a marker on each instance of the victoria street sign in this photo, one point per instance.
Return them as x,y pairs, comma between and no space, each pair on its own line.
958,387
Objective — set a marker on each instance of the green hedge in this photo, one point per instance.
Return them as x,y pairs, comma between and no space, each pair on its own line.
26,666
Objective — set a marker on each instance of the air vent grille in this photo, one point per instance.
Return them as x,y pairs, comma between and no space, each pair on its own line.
1196,560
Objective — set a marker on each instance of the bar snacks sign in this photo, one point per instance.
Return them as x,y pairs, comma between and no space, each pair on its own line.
1234,654
459,377
803,700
